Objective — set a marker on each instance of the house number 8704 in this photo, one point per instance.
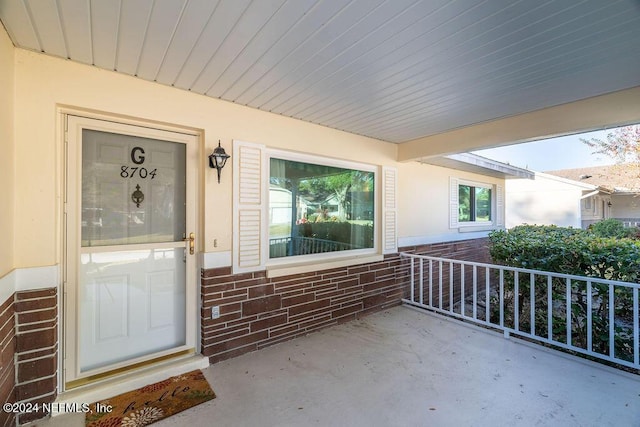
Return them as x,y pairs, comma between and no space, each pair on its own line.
137,157
131,172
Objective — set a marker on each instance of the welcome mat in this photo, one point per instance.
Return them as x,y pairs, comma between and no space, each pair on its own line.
151,403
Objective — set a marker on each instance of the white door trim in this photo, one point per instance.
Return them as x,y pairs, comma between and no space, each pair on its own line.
71,249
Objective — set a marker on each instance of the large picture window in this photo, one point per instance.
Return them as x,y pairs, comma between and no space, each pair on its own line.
474,203
315,208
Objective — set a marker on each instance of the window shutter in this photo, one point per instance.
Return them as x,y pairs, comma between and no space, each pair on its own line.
389,210
453,202
500,205
248,206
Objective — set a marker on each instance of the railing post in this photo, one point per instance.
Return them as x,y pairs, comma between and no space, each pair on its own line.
532,302
612,342
412,280
589,316
636,332
421,281
568,319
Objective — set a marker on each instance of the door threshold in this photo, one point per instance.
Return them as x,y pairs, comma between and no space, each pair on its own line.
130,381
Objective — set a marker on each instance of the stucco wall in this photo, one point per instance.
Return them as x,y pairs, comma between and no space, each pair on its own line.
625,206
543,201
44,82
7,171
423,202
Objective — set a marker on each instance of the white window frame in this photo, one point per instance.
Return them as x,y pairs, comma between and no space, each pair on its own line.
251,162
497,204
324,161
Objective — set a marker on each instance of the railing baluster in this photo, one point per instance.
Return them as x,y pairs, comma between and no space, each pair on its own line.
413,285
462,293
451,286
532,300
589,316
549,308
612,343
421,281
487,295
502,297
568,319
636,328
440,285
430,283
516,301
475,292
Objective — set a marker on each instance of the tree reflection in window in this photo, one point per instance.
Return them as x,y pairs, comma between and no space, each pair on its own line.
318,208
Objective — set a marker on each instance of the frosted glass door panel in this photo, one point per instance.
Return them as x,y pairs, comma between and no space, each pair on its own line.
133,189
132,304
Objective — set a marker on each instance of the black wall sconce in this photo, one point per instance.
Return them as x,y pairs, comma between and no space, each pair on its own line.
218,159
609,203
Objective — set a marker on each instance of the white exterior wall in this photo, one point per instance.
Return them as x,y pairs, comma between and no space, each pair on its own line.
7,159
546,200
44,83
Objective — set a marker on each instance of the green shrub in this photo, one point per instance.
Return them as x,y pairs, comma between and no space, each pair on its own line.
577,252
612,228
567,250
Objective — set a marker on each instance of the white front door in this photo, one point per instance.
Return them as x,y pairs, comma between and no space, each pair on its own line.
130,282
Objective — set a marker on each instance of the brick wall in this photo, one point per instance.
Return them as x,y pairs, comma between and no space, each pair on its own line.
36,348
256,311
7,367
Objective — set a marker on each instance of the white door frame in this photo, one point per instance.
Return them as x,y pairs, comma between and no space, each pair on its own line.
71,234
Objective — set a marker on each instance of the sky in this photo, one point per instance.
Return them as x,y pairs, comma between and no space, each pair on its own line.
566,152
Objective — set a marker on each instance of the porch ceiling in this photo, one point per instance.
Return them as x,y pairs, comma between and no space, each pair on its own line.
393,70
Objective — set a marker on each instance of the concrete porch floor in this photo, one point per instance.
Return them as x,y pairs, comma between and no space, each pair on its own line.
404,367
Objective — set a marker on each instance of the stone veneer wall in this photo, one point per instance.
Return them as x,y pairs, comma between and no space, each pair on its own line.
7,367
36,356
256,311
29,361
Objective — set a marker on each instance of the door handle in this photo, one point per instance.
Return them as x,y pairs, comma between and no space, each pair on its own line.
192,243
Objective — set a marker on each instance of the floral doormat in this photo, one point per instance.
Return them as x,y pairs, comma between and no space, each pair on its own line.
151,403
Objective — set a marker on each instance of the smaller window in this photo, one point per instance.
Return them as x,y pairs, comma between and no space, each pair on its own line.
474,203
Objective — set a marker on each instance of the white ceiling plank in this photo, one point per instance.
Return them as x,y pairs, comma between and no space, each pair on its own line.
395,70
45,17
76,26
364,58
283,23
312,21
163,24
254,18
16,20
134,21
105,19
218,28
371,71
360,32
400,91
194,19
403,101
415,60
276,78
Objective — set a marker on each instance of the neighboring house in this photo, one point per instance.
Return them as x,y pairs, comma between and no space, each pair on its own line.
125,256
575,197
616,194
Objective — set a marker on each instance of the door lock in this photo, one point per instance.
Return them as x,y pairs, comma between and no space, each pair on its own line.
192,243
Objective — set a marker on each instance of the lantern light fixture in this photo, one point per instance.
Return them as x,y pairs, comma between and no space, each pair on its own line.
218,159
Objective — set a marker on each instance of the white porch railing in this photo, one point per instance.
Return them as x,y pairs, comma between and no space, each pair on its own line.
587,315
